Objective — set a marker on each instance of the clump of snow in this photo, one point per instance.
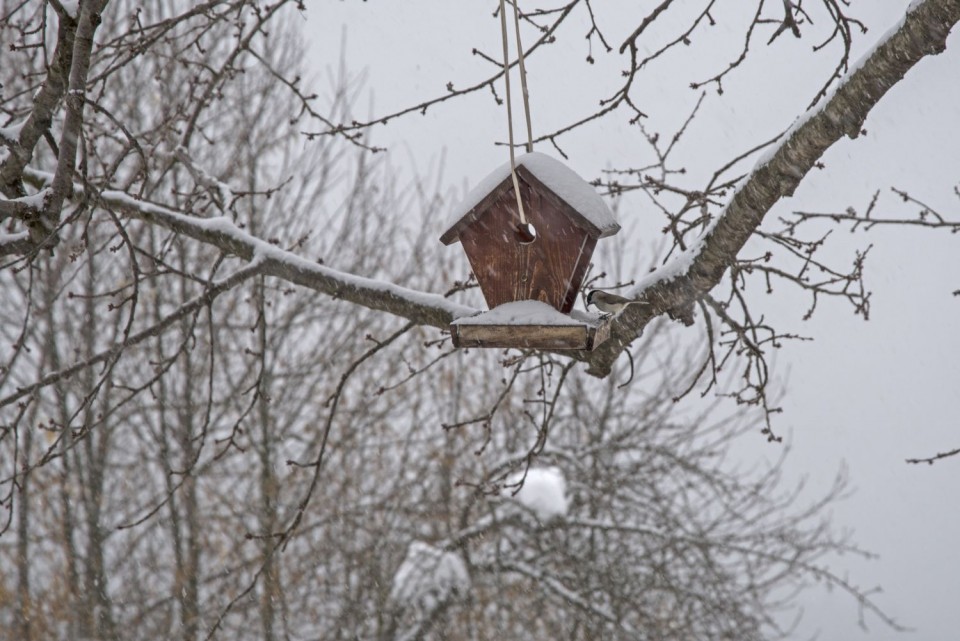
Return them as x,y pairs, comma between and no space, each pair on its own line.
530,312
429,576
35,202
544,492
11,134
203,178
9,239
559,178
72,7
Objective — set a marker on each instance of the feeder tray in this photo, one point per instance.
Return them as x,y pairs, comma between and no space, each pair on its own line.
530,324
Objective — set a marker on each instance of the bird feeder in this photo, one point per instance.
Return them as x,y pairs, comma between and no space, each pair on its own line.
530,275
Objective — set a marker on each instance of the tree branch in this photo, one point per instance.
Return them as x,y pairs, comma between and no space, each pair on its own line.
41,115
190,307
420,307
675,287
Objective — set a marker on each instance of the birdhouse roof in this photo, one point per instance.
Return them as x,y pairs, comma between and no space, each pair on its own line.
588,208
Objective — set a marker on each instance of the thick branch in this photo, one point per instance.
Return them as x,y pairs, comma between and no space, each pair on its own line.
87,25
420,307
44,105
923,32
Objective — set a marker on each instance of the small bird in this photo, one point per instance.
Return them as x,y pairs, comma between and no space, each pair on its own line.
611,303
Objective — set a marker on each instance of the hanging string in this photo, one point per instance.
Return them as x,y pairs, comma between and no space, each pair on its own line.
506,80
523,75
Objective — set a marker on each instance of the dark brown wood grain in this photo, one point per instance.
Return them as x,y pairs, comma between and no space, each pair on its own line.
550,269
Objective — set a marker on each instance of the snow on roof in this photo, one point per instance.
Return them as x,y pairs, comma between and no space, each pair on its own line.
558,178
529,312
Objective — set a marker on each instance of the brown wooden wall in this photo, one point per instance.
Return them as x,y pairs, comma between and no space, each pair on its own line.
550,269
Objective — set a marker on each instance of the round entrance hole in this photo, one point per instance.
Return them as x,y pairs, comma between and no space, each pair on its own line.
525,233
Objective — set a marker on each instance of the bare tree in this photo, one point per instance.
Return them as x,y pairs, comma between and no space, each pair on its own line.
727,211
173,410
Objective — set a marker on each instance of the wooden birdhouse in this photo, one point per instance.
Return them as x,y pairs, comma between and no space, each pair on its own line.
546,264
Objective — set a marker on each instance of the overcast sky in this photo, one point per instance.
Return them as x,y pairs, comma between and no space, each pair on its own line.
864,394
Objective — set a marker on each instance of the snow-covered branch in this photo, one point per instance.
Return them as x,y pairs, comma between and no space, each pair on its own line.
420,307
18,243
553,585
676,287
